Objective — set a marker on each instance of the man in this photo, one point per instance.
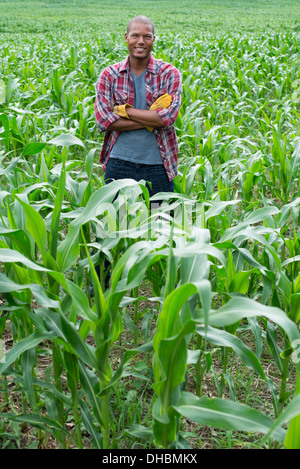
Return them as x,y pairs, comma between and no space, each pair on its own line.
137,103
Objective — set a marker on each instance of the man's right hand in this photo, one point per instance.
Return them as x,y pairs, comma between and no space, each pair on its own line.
162,102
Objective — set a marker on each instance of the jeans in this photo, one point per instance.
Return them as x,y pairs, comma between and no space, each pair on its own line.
156,174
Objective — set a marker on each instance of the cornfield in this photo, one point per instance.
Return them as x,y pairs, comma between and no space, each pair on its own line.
196,342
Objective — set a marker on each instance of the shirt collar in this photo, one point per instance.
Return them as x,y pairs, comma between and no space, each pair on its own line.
152,65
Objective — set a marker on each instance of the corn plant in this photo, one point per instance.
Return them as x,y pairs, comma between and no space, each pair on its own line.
219,257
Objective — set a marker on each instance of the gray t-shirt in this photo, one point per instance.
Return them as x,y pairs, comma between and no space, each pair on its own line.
137,146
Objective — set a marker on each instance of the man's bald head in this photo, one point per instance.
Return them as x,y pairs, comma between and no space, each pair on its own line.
140,19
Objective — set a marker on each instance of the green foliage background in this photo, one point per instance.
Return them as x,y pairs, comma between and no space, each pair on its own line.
176,17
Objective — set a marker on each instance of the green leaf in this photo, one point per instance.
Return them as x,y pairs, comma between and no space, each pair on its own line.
81,302
225,339
10,256
294,312
168,323
28,362
238,308
290,414
170,363
33,148
20,237
87,419
290,260
259,215
35,225
292,439
89,161
90,384
66,140
37,421
12,165
40,293
240,282
171,269
294,168
20,347
139,431
101,305
225,414
59,324
98,203
4,121
53,237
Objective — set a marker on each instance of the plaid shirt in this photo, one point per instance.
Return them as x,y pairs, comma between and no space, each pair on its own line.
114,86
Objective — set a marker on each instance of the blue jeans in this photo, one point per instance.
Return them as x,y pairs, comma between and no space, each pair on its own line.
156,174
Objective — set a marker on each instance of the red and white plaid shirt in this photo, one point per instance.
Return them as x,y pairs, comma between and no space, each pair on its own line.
115,87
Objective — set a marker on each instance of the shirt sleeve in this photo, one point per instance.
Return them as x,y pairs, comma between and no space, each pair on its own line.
173,88
103,112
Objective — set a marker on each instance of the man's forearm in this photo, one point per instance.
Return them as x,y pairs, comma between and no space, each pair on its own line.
138,119
123,125
146,118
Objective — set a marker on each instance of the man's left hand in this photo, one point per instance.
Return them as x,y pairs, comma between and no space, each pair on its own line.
121,110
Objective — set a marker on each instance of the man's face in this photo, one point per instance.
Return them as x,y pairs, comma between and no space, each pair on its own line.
140,39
